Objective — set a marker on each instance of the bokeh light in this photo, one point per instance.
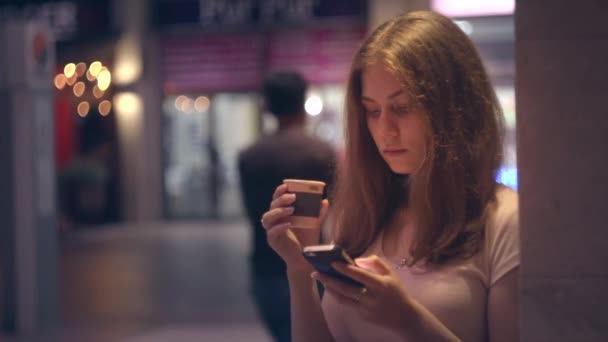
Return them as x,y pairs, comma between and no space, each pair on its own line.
188,105
81,68
313,105
79,89
69,70
104,107
60,81
90,76
104,79
201,104
128,106
83,108
179,102
72,80
98,93
95,68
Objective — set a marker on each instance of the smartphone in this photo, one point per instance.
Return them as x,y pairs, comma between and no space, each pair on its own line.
321,257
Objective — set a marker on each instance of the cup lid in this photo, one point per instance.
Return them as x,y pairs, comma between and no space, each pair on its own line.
304,181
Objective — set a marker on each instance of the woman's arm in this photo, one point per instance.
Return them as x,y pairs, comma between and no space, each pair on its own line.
503,308
307,319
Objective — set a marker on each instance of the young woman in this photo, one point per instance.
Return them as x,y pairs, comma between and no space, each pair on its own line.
435,237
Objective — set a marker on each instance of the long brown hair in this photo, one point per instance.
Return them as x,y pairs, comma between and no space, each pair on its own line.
451,194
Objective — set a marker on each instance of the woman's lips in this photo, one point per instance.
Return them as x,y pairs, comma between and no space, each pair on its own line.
393,152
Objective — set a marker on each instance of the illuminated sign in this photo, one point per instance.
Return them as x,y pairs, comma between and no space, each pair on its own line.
473,8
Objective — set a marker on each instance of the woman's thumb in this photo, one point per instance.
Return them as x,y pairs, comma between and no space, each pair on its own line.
373,263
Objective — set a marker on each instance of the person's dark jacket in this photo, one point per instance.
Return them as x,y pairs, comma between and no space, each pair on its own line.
262,167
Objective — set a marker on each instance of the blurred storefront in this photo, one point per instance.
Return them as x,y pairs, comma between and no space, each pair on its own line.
85,129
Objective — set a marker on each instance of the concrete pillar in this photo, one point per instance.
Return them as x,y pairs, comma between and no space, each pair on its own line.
28,248
383,10
562,125
138,111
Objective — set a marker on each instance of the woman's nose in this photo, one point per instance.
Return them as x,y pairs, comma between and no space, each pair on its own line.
388,126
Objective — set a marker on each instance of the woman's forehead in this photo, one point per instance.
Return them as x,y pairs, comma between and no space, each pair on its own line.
379,83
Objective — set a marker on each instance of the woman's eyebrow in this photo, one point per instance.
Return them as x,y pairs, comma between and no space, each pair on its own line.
395,94
391,96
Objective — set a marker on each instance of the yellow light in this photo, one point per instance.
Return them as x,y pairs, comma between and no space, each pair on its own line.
95,68
71,80
83,108
128,110
103,79
201,104
79,89
60,81
179,102
104,107
98,93
81,68
69,70
128,59
90,76
128,107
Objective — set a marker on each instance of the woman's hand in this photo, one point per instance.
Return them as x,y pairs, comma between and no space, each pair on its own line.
382,300
287,242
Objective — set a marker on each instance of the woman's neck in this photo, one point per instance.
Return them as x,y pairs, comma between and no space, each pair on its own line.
398,235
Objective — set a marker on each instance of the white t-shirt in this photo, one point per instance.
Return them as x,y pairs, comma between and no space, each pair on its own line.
456,294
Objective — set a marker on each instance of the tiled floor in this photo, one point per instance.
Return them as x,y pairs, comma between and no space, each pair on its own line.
157,282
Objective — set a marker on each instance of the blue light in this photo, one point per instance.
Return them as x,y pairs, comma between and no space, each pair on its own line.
508,177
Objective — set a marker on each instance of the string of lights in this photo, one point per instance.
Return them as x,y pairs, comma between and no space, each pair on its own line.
79,79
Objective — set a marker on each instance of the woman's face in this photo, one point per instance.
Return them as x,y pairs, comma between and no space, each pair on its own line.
398,128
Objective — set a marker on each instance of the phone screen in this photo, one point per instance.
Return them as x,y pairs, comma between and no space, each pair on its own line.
321,257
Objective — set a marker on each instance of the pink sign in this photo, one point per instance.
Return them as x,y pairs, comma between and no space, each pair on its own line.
472,8
208,63
322,55
232,62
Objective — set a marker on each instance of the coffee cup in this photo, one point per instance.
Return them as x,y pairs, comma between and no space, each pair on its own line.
307,207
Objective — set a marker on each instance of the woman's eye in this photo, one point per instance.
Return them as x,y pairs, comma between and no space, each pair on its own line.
401,109
372,112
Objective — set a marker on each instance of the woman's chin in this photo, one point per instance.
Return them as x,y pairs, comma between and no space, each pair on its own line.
400,170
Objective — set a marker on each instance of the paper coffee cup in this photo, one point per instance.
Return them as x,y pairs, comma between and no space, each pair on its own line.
307,207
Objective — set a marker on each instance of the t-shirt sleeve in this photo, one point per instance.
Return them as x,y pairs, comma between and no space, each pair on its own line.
503,238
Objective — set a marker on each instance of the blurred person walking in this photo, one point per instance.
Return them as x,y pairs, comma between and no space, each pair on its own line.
288,153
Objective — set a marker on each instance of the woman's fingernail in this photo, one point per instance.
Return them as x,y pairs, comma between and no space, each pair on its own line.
361,262
289,210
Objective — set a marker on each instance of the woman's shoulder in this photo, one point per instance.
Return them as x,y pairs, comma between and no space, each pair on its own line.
507,201
504,214
502,234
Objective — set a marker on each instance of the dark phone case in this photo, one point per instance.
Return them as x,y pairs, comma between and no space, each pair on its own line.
322,260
